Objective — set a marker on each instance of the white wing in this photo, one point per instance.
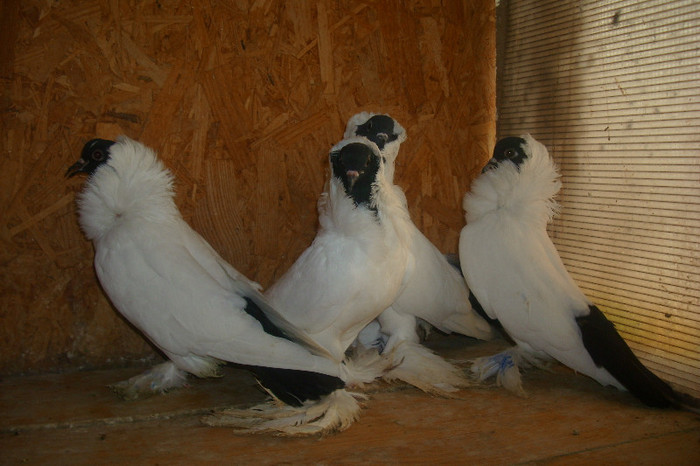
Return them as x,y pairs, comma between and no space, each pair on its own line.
208,258
518,277
236,282
183,307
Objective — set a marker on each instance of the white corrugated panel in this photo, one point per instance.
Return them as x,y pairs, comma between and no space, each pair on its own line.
613,90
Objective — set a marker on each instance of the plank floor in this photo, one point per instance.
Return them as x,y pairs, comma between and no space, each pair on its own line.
568,419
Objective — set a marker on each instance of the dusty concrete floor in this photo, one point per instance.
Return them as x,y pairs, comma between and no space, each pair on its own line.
567,419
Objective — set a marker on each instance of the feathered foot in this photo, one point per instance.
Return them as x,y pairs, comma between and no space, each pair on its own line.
364,365
333,413
418,366
503,366
156,380
506,367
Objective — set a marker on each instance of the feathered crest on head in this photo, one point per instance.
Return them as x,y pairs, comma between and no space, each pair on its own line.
527,190
132,182
541,178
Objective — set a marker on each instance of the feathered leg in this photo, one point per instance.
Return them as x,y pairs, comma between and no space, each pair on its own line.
372,337
506,367
156,380
418,366
363,365
333,413
413,363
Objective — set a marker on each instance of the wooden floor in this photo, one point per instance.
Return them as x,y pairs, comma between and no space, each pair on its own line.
567,419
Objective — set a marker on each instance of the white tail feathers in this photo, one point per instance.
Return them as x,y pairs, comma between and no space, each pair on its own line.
333,413
420,367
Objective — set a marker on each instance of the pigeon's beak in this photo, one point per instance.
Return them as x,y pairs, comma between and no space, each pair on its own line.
352,176
76,168
490,165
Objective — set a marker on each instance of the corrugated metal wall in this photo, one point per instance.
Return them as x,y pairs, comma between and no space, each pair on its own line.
612,88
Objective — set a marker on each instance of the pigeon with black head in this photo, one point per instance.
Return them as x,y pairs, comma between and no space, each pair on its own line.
433,290
94,154
196,308
515,271
354,267
380,129
356,166
507,149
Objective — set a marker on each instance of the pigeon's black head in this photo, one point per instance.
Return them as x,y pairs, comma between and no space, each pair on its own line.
380,129
511,148
95,153
356,165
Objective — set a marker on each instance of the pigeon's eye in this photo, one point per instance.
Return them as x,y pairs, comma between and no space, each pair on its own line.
382,137
510,153
97,155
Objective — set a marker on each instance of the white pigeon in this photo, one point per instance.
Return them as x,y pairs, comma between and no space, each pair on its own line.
354,268
433,290
165,279
515,272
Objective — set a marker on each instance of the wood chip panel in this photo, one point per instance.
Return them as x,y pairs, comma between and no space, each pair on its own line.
242,100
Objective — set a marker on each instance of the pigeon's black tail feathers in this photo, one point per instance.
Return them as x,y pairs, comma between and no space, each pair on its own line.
294,387
609,350
254,311
291,386
453,260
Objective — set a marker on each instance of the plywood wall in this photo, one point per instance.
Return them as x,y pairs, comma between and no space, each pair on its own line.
242,100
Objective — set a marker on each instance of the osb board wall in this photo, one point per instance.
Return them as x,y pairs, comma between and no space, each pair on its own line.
242,100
